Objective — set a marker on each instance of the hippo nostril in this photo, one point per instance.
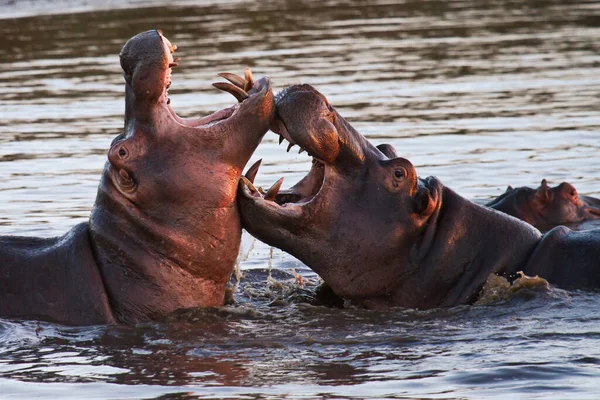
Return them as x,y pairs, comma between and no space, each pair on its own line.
421,201
125,175
125,180
122,152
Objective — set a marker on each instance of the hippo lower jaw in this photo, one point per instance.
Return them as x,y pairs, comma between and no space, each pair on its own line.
296,204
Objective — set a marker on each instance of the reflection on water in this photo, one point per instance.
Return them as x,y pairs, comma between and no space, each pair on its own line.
481,94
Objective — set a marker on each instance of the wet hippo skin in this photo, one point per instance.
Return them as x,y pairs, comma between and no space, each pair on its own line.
164,231
547,207
381,236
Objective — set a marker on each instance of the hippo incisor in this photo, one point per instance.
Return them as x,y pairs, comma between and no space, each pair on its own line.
164,231
380,236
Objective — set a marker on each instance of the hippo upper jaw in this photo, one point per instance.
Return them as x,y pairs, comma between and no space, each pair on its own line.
323,133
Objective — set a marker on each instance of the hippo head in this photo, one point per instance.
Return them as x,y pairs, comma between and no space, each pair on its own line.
547,207
166,201
360,218
168,165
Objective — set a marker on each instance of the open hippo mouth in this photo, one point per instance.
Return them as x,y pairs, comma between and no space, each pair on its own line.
332,143
148,68
304,192
341,160
148,61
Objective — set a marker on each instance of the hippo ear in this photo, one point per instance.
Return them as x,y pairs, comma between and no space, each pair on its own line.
543,193
508,189
388,150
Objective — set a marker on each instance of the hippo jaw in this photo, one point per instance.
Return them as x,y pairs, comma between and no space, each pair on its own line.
165,226
157,140
321,220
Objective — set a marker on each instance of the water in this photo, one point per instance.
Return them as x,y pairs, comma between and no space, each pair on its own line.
481,94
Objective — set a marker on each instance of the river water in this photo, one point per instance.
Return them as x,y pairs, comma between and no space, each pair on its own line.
480,93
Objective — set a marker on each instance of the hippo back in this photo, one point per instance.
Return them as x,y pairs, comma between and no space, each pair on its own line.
568,259
54,279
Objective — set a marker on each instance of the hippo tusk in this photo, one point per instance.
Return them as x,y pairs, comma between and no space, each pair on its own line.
290,146
238,93
281,138
249,184
302,150
253,170
248,82
233,78
273,190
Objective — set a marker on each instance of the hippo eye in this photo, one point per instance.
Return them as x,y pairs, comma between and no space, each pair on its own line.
400,173
122,152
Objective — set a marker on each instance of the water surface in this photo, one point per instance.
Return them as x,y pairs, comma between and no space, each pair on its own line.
481,94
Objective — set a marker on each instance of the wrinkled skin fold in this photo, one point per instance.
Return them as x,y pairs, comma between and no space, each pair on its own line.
378,234
548,207
164,232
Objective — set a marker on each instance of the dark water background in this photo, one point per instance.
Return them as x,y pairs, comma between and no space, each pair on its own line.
480,93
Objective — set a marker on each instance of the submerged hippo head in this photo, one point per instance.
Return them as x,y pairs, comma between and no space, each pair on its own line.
166,206
546,207
373,230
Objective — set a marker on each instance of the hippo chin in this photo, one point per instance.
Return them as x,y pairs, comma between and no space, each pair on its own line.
546,207
375,232
164,232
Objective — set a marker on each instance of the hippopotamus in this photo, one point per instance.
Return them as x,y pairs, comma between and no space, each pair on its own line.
380,236
164,231
547,207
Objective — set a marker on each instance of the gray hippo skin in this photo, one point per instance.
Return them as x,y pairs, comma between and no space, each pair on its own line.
164,232
548,207
376,233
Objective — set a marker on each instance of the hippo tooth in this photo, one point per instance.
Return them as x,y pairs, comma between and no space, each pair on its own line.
282,130
302,150
281,138
249,184
253,170
233,78
289,147
173,65
177,59
238,93
248,82
272,192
